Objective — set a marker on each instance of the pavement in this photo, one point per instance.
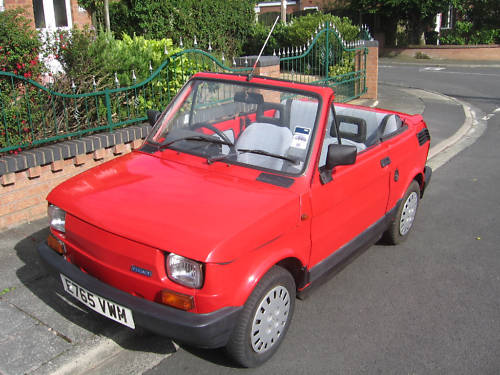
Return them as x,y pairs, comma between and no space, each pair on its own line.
44,332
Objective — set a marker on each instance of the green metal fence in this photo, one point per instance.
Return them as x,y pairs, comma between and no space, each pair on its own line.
327,60
32,114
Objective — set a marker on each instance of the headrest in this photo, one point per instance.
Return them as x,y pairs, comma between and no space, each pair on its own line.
353,128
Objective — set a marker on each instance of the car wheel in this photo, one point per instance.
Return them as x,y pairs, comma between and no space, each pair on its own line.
405,217
264,319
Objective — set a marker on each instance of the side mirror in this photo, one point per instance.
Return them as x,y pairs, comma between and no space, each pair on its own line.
153,116
337,155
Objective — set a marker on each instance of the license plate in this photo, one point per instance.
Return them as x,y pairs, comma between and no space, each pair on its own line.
100,304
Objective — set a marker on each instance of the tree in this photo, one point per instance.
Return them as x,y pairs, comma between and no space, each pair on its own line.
419,15
482,13
106,15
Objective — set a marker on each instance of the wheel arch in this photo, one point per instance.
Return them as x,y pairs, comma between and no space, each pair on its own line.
296,269
252,268
420,179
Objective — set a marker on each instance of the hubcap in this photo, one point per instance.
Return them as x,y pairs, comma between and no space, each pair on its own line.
270,319
408,213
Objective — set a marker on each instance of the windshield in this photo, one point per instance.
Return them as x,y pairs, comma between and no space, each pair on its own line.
264,128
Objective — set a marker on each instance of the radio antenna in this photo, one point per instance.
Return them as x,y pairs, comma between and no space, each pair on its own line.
262,49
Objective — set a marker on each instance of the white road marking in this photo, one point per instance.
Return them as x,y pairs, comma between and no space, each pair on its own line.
434,68
487,117
468,73
469,132
496,110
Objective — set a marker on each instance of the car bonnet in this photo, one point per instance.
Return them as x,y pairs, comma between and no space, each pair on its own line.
179,208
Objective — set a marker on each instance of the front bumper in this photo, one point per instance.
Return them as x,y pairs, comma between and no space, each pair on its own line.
211,330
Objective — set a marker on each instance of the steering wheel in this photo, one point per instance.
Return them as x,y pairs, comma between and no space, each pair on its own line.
223,136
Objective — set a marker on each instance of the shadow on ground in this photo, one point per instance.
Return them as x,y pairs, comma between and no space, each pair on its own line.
72,321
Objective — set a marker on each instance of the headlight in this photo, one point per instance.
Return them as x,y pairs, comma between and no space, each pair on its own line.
184,271
57,218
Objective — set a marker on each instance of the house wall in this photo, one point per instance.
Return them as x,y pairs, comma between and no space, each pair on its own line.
27,5
293,6
79,15
79,18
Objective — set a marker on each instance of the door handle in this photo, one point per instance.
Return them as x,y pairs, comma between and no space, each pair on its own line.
385,162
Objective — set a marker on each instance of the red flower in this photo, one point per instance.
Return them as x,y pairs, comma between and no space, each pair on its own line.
15,71
26,130
18,66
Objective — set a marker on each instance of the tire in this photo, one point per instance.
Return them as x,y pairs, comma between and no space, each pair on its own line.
273,299
401,227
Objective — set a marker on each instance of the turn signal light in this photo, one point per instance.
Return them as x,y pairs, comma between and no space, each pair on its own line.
177,300
55,244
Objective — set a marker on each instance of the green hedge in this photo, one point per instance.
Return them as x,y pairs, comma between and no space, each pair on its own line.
225,23
465,33
297,32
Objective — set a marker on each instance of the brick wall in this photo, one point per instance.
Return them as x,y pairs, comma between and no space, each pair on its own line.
27,178
80,18
465,53
27,5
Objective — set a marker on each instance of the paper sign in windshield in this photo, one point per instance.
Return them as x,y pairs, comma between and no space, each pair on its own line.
301,138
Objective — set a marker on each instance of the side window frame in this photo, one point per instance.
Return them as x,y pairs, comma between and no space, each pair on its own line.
331,121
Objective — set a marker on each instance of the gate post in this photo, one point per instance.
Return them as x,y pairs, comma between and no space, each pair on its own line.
371,70
268,66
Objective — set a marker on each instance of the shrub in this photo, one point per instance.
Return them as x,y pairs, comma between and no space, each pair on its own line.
464,32
297,32
19,48
19,45
300,29
86,54
421,56
225,23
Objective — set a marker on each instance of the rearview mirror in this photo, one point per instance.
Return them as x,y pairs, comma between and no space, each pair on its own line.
248,97
153,116
337,155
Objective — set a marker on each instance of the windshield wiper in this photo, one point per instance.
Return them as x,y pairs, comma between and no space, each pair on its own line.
262,152
219,157
199,138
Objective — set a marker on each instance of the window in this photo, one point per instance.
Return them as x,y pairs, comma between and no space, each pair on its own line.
52,14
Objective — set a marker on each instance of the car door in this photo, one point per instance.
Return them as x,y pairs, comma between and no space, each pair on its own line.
402,150
344,208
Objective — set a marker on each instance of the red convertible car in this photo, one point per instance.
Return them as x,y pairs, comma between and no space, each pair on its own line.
247,192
